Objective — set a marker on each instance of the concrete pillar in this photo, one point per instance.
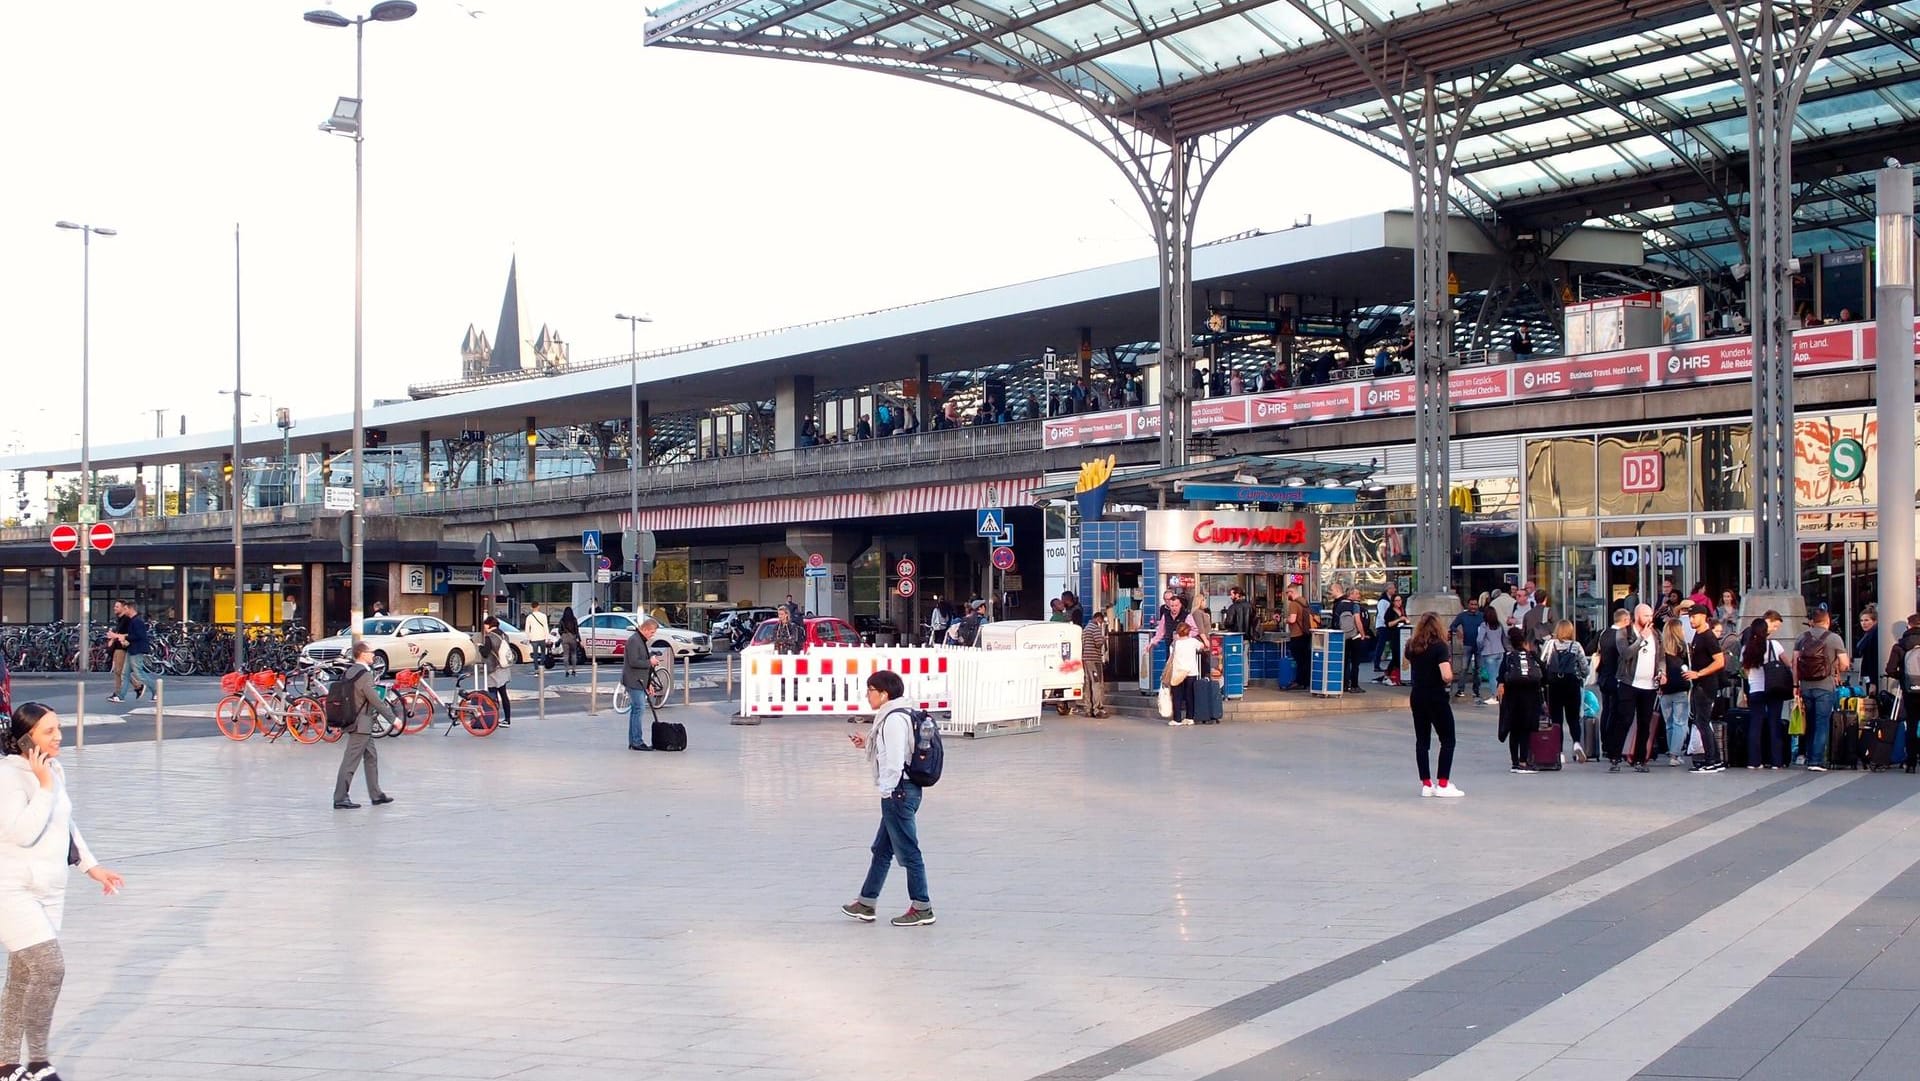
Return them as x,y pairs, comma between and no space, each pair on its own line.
792,404
837,548
313,605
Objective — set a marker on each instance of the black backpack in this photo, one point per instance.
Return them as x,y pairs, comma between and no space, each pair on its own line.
969,630
928,756
340,711
1520,669
1564,665
1810,661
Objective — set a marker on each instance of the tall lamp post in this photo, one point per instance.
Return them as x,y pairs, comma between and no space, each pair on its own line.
634,436
346,120
87,233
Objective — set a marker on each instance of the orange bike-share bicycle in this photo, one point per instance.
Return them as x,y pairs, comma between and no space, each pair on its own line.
260,703
476,711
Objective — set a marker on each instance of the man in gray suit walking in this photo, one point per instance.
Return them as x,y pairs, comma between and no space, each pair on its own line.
366,704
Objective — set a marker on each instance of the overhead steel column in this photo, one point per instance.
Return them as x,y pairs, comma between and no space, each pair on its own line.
1433,327
1894,379
1773,53
1171,221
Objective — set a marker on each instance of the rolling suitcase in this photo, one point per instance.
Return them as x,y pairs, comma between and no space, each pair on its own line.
668,736
1877,741
1543,747
1733,738
1207,704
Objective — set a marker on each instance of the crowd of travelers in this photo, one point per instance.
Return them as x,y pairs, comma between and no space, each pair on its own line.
1675,678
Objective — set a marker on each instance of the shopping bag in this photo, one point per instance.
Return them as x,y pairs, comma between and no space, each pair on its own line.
1165,704
1797,720
1694,743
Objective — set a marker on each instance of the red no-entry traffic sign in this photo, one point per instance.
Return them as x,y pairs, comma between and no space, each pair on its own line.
486,569
65,538
100,536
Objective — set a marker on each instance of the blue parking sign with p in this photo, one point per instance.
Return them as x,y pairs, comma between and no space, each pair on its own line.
989,522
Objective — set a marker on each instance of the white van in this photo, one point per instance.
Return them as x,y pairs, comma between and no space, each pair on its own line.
1061,680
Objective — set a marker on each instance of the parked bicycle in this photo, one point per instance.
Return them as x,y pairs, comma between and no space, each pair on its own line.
249,697
476,711
659,686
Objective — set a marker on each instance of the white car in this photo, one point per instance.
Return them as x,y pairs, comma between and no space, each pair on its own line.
401,642
605,634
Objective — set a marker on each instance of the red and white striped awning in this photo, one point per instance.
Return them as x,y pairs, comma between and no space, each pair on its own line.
1011,492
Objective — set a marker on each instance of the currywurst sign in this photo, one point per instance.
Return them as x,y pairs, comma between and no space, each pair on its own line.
1217,530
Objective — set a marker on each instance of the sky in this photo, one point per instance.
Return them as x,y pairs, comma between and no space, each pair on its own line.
718,194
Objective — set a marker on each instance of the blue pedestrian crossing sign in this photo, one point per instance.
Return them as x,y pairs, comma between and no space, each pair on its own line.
590,541
989,522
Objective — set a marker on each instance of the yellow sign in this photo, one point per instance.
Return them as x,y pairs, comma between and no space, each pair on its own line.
782,567
261,608
1453,284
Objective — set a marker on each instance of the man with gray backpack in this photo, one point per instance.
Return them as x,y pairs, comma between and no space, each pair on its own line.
904,752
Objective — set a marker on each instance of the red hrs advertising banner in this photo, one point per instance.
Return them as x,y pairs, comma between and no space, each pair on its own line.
1471,386
1386,396
1144,423
1215,413
1822,346
1580,375
1307,403
1870,340
1086,428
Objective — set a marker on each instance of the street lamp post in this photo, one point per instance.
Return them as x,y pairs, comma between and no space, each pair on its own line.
634,436
87,233
1046,375
346,120
1893,378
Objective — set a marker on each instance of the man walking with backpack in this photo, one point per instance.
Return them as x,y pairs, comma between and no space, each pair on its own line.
1818,659
360,703
901,769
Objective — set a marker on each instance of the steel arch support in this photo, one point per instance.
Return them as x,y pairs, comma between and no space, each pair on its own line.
1773,53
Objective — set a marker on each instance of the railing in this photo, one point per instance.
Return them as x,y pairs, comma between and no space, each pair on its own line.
840,459
253,516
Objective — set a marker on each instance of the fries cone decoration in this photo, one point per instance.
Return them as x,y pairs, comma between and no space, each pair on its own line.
1094,474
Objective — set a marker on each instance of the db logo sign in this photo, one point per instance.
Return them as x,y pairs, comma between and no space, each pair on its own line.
1642,471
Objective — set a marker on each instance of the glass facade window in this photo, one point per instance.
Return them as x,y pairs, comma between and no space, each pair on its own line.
1623,465
1723,480
1560,477
666,592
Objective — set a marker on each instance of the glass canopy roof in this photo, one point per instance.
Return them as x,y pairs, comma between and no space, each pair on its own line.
1593,114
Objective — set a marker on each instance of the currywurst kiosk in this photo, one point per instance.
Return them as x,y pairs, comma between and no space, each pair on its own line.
1130,562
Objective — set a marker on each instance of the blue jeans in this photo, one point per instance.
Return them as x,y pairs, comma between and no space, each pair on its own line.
139,672
1675,708
636,709
1819,705
1766,731
898,837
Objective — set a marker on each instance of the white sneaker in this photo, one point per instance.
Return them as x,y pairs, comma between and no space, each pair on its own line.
1188,723
1426,791
1489,701
1448,791
1173,724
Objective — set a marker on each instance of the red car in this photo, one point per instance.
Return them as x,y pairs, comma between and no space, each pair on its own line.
821,631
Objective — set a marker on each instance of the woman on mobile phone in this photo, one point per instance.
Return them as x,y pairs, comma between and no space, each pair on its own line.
38,842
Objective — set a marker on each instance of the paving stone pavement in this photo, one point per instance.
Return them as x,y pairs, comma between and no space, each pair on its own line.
1115,899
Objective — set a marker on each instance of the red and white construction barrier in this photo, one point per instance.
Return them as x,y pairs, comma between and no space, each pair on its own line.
985,692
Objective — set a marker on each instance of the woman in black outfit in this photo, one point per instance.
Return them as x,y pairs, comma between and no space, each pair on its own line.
1432,673
1521,678
1396,617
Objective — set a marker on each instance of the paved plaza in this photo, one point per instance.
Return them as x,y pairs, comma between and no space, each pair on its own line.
1116,899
